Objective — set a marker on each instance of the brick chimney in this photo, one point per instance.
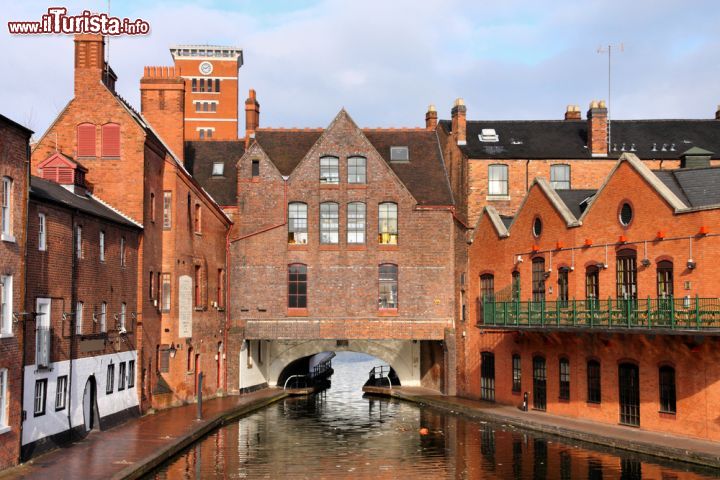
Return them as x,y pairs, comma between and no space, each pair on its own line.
162,100
597,119
572,112
431,118
89,61
252,116
458,114
717,113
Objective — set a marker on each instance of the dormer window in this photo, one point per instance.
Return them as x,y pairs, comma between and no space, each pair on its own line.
399,154
218,169
489,135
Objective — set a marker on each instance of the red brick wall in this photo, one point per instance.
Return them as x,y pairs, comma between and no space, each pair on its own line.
13,163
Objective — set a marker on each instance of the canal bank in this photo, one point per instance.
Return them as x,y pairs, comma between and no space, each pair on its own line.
670,447
133,449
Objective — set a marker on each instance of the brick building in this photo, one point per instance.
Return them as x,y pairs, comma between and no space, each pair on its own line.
15,177
602,304
493,162
182,265
81,345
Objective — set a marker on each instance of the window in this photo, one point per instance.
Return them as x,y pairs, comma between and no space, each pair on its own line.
592,284
78,241
538,279
626,280
86,140
42,233
198,218
165,292
593,381
110,140
560,177
152,207
131,374
297,223
7,208
110,380
255,168
122,251
667,390
213,107
515,286
297,286
198,106
665,279
3,398
516,374
190,358
564,379
388,286
388,223
217,84
103,317
357,170
356,223
122,376
487,376
61,393
40,397
537,227
202,84
167,210
194,85
399,154
498,180
201,133
198,287
626,214
487,287
539,383
329,170
78,317
218,169
563,290
6,304
329,219
123,314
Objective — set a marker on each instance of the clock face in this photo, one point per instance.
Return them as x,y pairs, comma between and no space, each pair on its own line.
206,68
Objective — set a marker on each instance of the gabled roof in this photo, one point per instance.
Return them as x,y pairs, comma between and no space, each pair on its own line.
59,159
200,156
44,190
576,200
696,187
12,123
286,147
567,139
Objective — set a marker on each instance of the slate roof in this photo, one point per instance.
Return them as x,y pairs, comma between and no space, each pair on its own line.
424,175
696,187
199,159
573,199
7,121
567,139
44,190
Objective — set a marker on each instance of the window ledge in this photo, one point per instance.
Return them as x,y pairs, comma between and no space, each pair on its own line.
5,429
297,246
6,237
387,246
297,312
387,312
666,414
6,335
498,198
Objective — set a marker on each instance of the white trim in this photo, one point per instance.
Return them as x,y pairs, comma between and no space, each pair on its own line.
206,101
6,297
192,119
7,238
197,129
42,232
5,429
190,77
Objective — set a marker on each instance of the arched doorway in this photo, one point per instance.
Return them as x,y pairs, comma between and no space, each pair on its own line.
90,410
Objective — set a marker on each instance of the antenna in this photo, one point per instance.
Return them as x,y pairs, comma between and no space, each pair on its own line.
107,58
607,50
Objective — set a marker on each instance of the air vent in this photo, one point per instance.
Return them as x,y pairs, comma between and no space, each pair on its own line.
399,154
489,135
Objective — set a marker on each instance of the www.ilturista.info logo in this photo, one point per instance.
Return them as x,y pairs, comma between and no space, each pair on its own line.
57,21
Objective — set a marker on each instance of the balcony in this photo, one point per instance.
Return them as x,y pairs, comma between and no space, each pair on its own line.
669,315
43,339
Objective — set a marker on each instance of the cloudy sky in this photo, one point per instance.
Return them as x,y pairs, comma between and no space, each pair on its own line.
386,60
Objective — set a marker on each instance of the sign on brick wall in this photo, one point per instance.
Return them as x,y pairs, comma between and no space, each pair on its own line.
185,306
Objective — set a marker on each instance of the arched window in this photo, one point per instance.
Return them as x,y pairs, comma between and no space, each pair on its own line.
487,287
357,170
388,286
592,284
329,170
593,381
667,389
516,373
297,285
538,279
86,140
329,223
388,223
297,223
626,274
563,289
665,279
356,223
564,379
110,140
498,180
560,177
515,289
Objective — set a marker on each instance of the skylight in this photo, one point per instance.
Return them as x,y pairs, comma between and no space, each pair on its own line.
399,154
218,169
489,135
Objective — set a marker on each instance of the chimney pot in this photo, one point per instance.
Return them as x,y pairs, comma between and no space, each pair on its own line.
597,135
572,112
459,124
431,118
252,116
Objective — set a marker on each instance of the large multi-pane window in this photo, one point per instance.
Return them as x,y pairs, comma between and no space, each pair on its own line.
564,379
388,223
42,232
487,376
515,288
6,298
388,280
538,279
487,287
626,274
167,210
78,317
563,290
665,279
329,223
667,389
593,381
560,177
356,222
61,392
297,223
516,373
329,170
165,293
297,286
103,317
357,172
498,180
6,217
592,284
40,397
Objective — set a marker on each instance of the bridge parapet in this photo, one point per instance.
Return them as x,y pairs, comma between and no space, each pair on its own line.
350,329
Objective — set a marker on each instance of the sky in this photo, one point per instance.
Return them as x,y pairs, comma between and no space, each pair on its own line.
385,61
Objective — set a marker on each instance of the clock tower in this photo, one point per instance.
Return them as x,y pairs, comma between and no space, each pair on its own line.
211,90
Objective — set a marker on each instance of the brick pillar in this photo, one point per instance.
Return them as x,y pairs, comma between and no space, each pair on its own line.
597,118
162,97
252,115
431,118
458,114
572,112
89,61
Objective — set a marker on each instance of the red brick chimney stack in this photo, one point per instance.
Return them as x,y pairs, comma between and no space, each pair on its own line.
162,102
252,115
597,118
431,118
572,112
89,60
458,114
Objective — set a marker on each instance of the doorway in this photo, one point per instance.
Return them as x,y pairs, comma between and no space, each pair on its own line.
629,384
539,383
90,410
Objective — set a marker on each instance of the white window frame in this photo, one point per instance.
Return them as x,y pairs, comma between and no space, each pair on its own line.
218,169
103,317
110,379
78,318
131,374
329,170
122,251
40,397
102,246
6,305
122,376
61,392
4,427
555,182
123,313
6,234
42,232
78,242
498,187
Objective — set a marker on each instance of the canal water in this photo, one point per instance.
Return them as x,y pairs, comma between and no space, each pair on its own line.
340,434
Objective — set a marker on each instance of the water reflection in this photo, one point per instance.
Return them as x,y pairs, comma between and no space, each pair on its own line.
338,434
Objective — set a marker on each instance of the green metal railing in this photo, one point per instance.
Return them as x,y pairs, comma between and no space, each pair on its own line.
688,313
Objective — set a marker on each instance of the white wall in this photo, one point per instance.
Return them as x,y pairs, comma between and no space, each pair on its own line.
52,422
251,376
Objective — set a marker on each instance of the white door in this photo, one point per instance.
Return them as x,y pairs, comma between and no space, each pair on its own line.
89,404
42,331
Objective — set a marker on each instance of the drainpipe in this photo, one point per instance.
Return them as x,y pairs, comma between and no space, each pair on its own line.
226,305
73,323
527,175
23,287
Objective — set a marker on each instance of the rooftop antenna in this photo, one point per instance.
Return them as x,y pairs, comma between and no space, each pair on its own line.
607,50
107,58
